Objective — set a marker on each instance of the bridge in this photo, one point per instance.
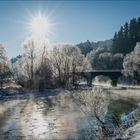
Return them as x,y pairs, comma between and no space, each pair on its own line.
112,74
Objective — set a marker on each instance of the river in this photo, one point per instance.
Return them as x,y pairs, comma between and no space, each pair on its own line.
48,117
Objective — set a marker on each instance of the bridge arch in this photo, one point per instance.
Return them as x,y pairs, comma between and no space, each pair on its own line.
101,79
112,74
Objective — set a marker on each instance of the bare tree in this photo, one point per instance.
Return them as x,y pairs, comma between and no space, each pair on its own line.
94,104
33,69
131,64
43,71
24,67
66,61
5,71
21,70
41,68
101,58
29,52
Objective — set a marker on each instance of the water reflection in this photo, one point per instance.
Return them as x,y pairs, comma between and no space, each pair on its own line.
44,118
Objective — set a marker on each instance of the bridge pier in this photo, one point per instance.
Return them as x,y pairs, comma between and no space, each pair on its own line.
114,82
88,77
89,82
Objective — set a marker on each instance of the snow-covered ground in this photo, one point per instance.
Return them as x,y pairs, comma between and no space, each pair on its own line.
135,130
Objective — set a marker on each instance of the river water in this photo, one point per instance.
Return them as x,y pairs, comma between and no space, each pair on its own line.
41,118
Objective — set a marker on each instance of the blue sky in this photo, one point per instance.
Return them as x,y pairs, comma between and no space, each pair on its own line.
76,21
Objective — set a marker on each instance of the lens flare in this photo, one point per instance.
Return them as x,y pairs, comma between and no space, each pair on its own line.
39,25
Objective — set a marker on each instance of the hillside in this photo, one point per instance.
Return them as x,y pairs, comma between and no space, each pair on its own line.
88,46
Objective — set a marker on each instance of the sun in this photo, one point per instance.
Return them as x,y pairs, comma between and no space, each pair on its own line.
39,25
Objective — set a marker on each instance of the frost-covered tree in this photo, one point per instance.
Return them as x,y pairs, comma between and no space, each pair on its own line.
101,124
20,71
66,61
38,68
93,57
94,104
32,69
29,53
101,59
43,71
131,63
5,71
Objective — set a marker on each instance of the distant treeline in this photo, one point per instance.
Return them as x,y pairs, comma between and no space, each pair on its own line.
109,54
87,47
123,41
126,38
